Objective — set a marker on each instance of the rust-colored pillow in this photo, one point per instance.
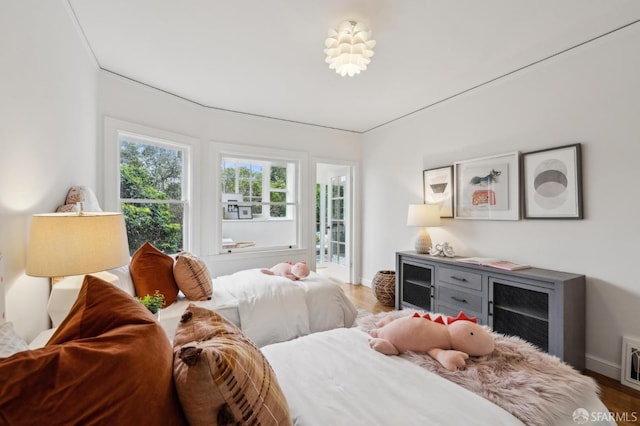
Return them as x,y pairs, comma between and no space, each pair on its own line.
192,276
221,376
152,270
109,362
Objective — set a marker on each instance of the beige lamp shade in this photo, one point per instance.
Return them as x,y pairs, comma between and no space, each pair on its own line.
64,244
423,215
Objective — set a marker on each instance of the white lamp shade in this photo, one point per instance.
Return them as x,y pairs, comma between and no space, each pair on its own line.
349,48
423,215
62,244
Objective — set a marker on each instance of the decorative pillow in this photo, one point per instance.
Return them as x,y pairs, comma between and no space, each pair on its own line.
152,270
10,342
109,362
221,376
192,276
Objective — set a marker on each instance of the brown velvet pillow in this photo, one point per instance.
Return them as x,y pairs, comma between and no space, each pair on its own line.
221,376
152,270
109,362
192,276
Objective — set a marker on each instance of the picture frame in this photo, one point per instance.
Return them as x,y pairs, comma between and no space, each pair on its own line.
488,188
438,188
552,183
244,212
231,211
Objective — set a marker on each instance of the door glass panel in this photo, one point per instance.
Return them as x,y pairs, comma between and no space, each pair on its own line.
338,234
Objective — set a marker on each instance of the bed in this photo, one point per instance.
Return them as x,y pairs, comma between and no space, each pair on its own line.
270,308
267,308
329,377
335,378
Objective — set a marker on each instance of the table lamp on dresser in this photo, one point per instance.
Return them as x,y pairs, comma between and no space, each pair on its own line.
423,215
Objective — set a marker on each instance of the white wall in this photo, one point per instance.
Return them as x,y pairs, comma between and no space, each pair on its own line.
47,137
589,95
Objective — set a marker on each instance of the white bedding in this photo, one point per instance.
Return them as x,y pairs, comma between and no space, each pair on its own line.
268,308
272,309
335,378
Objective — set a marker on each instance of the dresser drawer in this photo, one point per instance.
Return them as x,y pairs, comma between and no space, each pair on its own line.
459,277
465,300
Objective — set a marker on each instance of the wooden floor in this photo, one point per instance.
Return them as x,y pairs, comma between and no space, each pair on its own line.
622,401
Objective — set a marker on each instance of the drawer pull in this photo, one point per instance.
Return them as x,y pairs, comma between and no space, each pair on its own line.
458,278
457,299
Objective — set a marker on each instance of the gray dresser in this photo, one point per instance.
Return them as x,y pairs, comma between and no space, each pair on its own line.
544,307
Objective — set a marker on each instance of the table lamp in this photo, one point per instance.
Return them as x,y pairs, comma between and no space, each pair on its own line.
62,244
423,215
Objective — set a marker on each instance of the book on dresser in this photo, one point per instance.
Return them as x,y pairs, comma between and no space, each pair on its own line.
494,263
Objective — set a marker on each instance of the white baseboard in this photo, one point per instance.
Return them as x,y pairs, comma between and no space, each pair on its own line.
603,367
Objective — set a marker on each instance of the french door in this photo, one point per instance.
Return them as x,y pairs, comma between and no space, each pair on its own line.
337,224
334,221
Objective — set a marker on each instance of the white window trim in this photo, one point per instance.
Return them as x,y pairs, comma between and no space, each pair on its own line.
113,128
220,150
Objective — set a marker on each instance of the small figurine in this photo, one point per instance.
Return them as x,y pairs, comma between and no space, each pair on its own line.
443,250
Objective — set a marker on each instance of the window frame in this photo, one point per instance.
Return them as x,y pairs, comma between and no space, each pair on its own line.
299,159
114,130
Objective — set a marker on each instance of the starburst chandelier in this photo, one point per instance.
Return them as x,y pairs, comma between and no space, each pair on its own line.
349,48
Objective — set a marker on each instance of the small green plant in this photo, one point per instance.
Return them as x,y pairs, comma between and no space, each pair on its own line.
152,303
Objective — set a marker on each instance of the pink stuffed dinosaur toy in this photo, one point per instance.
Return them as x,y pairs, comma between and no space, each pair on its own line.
450,344
293,271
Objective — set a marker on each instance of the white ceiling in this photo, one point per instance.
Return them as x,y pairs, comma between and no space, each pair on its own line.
266,57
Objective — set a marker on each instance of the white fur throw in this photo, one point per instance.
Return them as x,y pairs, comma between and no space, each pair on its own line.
532,385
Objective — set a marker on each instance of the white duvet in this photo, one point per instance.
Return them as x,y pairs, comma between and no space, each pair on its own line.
335,378
272,309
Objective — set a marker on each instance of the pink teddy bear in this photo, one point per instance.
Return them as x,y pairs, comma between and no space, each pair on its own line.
293,271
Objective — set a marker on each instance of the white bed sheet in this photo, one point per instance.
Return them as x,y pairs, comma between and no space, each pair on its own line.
335,378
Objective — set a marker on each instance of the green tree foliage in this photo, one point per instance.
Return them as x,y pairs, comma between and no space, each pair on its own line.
249,182
278,181
148,172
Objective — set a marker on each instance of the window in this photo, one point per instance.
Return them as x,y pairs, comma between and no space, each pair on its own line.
152,192
244,178
243,181
265,187
251,195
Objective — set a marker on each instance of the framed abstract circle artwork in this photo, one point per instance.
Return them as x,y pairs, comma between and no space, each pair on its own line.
552,183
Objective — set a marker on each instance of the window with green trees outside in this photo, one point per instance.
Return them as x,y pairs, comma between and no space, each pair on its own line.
152,195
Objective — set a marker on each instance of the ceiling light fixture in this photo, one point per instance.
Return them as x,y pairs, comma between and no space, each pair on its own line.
349,48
